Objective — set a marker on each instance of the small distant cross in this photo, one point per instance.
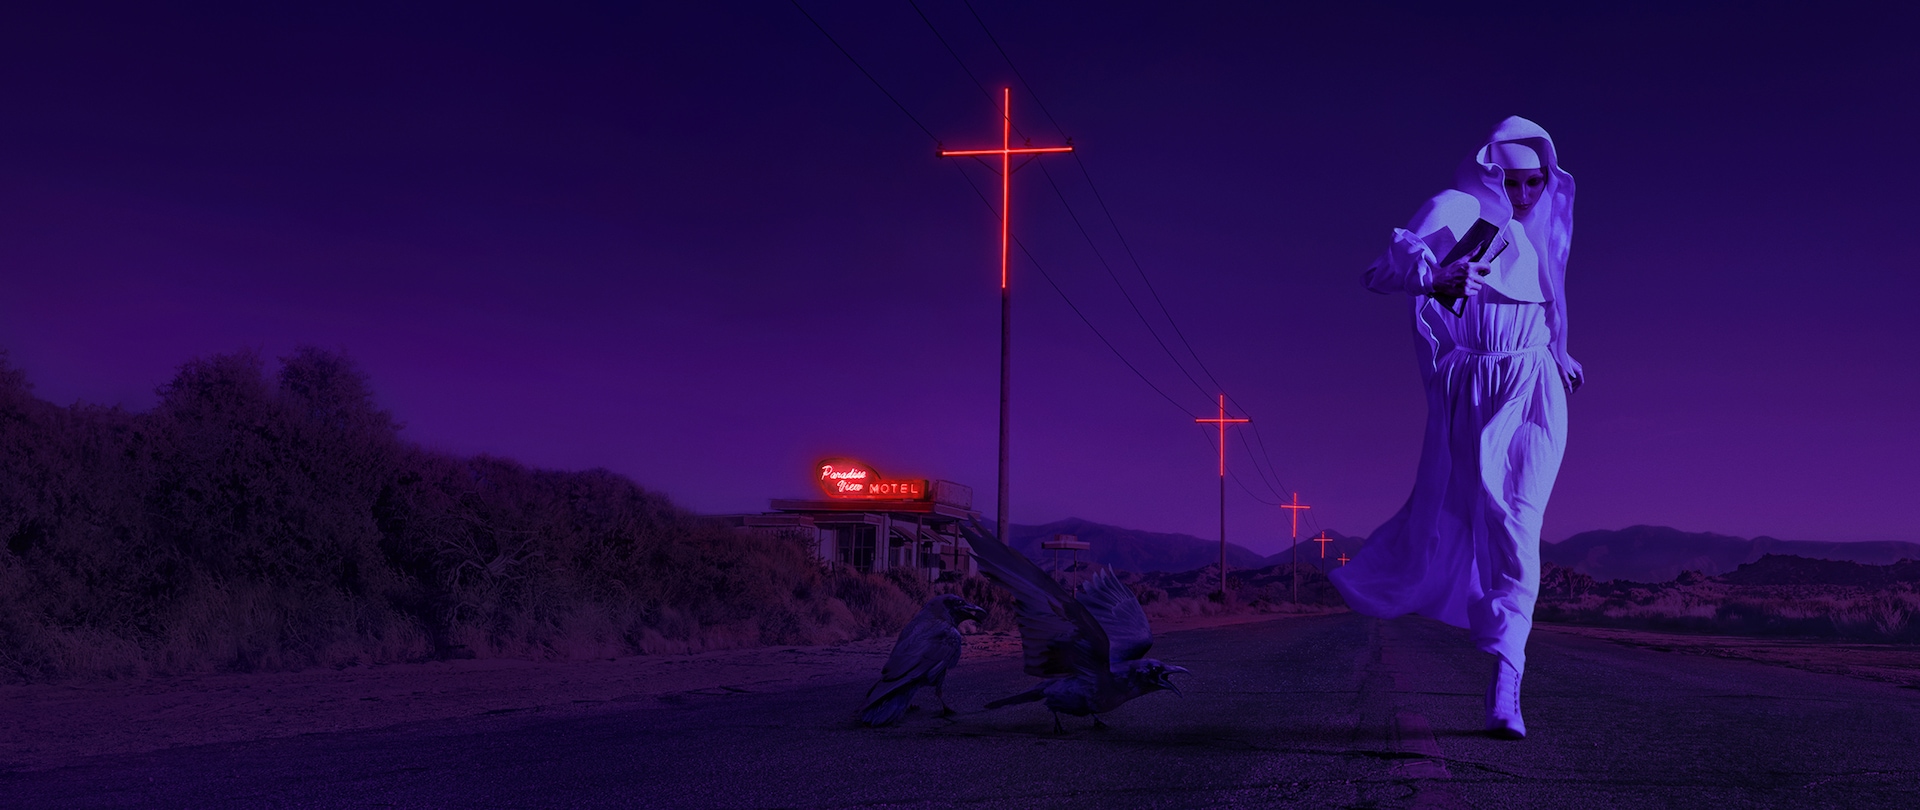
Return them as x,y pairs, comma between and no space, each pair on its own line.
1296,506
1342,558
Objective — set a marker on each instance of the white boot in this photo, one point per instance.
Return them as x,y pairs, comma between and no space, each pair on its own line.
1503,703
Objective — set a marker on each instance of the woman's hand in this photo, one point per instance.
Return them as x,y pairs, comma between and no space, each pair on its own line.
1461,279
1572,378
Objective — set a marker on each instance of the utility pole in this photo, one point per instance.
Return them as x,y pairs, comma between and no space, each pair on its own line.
1223,421
1296,507
1006,153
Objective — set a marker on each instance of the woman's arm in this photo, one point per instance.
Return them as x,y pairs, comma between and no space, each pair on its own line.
1409,265
1406,267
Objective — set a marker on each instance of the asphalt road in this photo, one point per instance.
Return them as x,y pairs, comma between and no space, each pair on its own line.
1336,711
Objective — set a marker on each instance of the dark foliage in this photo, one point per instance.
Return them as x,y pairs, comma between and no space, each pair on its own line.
1777,595
269,522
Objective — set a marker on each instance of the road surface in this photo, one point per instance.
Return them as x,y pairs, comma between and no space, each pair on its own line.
1330,711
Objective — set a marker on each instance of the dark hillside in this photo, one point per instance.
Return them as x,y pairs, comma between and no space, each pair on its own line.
1786,569
252,521
1130,549
1659,553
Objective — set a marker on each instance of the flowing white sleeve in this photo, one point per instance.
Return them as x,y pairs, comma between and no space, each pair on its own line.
1406,267
1409,263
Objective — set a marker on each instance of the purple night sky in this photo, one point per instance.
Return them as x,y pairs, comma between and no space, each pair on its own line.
694,245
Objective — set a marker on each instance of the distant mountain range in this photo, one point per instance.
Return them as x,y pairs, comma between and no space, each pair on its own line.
1636,553
1141,551
1782,569
1660,553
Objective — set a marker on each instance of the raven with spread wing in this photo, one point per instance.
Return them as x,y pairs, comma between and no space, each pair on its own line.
928,647
1091,648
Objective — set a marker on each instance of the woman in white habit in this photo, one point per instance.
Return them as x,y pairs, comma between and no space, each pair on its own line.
1466,548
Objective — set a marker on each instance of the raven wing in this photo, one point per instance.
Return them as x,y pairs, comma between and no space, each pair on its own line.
1058,634
1118,610
927,647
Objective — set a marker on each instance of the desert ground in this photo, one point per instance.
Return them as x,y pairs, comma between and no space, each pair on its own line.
50,725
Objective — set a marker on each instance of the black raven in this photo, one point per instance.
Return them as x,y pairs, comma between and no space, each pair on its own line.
928,646
1092,648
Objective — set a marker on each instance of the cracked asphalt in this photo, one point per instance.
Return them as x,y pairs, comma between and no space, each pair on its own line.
1331,711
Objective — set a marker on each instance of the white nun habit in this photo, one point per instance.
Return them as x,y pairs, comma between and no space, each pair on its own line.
1466,547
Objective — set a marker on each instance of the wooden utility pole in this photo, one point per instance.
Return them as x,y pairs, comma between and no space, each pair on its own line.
1223,421
1006,153
1296,507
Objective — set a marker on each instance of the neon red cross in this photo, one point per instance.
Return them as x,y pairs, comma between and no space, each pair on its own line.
1006,153
1296,506
1223,421
1323,540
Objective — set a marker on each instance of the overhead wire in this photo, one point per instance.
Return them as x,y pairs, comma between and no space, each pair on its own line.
1075,216
1271,468
1076,309
1016,70
863,72
983,198
1120,235
1235,475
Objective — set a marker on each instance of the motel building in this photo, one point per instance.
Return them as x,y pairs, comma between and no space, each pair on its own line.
870,523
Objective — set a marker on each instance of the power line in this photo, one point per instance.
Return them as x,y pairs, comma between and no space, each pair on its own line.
1072,306
1116,282
1016,70
1105,210
863,72
984,92
956,58
1270,484
1236,475
1142,271
1075,216
983,197
1118,233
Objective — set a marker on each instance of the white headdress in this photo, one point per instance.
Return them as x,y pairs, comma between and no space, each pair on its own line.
1514,155
1549,225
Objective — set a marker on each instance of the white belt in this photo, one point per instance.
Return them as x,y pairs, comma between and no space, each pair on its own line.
1499,352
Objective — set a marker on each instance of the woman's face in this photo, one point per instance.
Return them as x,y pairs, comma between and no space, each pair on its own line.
1524,187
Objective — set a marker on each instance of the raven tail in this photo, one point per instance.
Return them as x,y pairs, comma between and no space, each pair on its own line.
1028,696
889,707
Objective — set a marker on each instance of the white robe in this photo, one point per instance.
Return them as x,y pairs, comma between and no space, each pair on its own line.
1465,549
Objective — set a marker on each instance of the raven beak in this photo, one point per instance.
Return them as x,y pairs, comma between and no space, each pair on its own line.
974,612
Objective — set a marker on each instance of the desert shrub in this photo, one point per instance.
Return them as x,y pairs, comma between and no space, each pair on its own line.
1147,594
254,522
1185,606
1001,615
1883,616
912,583
881,607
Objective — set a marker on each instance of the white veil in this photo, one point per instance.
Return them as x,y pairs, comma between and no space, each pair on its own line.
1549,226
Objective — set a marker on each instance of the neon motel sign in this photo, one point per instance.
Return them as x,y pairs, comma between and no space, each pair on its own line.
847,478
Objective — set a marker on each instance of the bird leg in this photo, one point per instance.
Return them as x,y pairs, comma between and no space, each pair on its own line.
1097,723
940,691
1057,727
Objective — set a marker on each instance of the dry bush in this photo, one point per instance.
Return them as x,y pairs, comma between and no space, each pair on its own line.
1185,606
1001,613
251,522
1700,604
